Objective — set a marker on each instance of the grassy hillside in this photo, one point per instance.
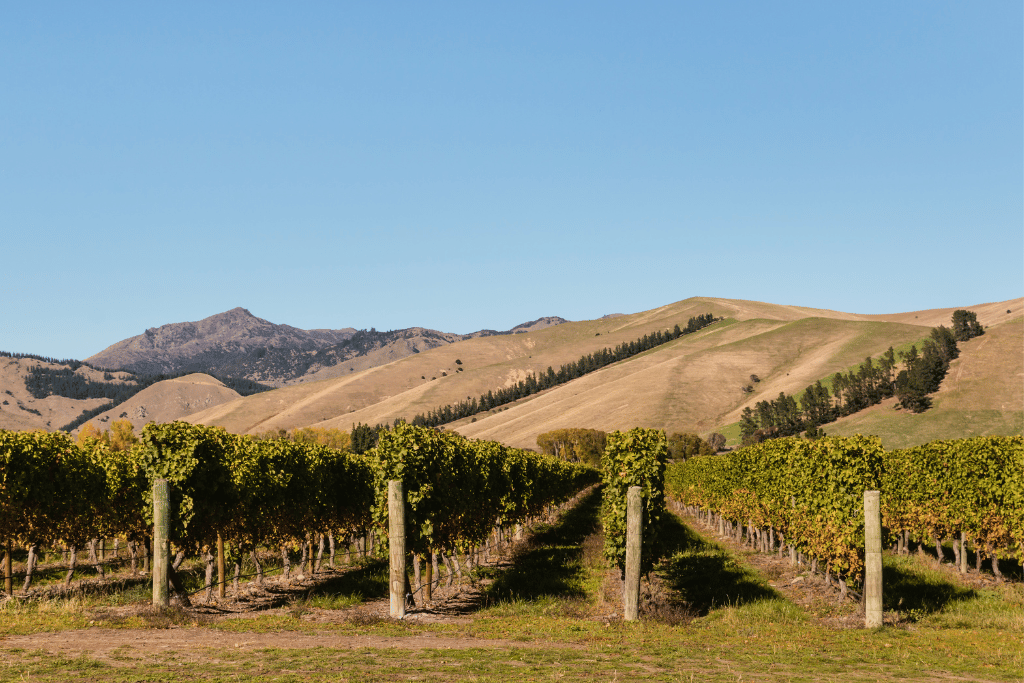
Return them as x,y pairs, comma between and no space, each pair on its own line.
169,400
695,384
21,411
983,394
423,381
691,384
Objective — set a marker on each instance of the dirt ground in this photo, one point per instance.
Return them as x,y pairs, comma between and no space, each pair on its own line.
795,583
279,596
451,604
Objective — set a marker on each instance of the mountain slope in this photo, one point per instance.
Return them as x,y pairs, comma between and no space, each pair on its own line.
21,411
227,342
426,380
691,384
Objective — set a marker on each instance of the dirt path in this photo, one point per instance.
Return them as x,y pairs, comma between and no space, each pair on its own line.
103,643
195,628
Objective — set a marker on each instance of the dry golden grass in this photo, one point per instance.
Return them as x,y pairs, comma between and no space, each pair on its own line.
169,400
54,411
691,384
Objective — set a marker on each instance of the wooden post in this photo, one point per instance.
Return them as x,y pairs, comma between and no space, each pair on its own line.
396,546
428,590
8,574
221,569
631,591
872,560
161,542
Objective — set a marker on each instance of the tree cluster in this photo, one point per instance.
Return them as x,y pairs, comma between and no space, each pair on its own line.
120,436
332,438
86,416
535,383
872,382
966,325
75,364
42,382
687,445
924,373
574,445
365,437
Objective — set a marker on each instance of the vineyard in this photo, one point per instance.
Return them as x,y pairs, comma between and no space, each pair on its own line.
258,503
807,496
243,494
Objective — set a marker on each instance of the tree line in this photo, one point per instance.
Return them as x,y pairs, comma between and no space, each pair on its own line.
535,383
46,359
42,382
869,384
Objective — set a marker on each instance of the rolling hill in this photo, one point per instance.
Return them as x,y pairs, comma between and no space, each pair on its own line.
169,400
691,384
20,410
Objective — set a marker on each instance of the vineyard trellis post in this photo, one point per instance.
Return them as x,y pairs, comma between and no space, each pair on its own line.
8,574
221,588
634,518
872,559
161,541
396,546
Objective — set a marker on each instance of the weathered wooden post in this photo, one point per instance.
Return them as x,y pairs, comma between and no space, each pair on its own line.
221,570
872,560
8,574
161,541
396,545
428,571
634,517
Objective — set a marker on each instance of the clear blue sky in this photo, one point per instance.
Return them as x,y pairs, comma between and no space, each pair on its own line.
477,165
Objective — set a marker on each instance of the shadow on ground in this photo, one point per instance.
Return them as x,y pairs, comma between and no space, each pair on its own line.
914,592
703,574
368,581
550,563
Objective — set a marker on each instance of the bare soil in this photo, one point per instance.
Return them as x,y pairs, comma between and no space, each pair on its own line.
277,596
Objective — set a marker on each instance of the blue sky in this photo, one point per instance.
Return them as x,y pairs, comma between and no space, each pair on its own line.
476,165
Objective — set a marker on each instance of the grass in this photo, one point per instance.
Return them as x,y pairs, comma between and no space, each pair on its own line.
349,589
708,578
921,593
551,565
548,617
732,433
901,429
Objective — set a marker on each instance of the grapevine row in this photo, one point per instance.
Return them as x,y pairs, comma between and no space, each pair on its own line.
809,494
258,493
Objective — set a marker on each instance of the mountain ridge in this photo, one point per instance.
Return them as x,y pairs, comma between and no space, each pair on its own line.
240,344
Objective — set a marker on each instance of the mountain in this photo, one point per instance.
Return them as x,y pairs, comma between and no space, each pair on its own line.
240,348
691,384
234,343
238,344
